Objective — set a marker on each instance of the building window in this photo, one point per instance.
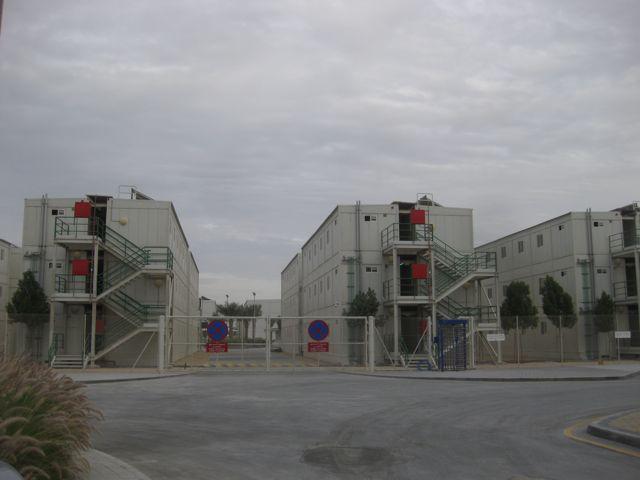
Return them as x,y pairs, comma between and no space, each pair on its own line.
540,240
328,283
0,291
320,282
327,237
320,243
57,211
520,246
490,292
503,252
369,218
563,273
1,253
315,289
598,224
371,269
602,270
560,227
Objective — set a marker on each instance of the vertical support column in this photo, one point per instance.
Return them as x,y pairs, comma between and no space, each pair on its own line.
432,273
472,330
396,316
372,339
636,257
268,342
52,305
497,302
52,319
94,294
161,339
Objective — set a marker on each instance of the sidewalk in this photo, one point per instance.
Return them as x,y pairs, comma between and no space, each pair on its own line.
622,427
106,467
109,375
539,372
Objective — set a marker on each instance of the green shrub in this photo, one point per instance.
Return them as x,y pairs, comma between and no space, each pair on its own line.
46,421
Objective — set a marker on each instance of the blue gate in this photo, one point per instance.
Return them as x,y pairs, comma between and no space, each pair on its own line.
452,344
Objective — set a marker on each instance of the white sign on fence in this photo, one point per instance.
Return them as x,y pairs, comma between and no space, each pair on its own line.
495,337
623,334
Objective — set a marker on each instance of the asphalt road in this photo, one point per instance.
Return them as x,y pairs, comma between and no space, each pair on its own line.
319,425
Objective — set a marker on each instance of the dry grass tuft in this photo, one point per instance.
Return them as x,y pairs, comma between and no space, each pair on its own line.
46,421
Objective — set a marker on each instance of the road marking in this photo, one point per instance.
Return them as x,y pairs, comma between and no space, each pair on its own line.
569,432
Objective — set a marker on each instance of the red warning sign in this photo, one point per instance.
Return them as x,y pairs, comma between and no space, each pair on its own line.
217,347
318,347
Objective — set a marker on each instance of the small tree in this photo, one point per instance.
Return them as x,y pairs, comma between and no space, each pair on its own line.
557,304
28,304
364,304
604,313
518,302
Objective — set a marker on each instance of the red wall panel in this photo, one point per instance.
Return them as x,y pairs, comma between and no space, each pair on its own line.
417,217
419,271
80,267
82,210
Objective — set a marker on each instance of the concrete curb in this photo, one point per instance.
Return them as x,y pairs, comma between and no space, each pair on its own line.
602,429
106,467
499,379
135,379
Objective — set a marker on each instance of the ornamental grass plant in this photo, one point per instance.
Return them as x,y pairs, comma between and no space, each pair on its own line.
46,421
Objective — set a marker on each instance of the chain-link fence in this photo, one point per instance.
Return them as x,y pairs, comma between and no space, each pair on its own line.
25,334
228,342
567,338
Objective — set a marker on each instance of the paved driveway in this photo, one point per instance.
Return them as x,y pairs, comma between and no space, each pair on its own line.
319,425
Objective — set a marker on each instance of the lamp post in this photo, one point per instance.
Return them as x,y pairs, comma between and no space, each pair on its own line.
227,301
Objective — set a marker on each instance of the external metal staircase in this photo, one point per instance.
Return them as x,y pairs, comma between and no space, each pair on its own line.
67,361
132,317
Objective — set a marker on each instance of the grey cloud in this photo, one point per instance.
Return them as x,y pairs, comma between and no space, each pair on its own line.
258,117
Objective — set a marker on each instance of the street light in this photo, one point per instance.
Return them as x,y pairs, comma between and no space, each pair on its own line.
227,302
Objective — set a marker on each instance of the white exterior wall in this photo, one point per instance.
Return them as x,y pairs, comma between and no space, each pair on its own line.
564,246
144,222
323,266
290,288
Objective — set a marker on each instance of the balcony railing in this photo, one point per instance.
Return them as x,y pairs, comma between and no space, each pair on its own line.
624,291
73,284
407,287
623,240
405,232
72,227
162,256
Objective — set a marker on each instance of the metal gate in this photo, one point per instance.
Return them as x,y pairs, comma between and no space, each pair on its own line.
267,343
452,344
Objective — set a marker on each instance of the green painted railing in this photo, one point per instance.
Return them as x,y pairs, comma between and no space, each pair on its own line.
623,240
135,311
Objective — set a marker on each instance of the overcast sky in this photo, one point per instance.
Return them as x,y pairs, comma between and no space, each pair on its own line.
257,118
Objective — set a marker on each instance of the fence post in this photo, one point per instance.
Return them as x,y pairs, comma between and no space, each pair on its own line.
561,342
268,339
161,330
372,339
517,340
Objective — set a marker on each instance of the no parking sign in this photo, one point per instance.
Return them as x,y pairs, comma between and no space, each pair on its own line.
218,332
318,330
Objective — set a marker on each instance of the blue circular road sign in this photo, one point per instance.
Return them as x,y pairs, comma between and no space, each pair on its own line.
217,330
318,330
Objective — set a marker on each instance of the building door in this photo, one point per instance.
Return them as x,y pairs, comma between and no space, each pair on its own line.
74,327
